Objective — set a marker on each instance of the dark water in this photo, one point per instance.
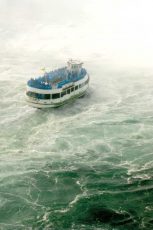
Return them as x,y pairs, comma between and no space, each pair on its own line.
86,165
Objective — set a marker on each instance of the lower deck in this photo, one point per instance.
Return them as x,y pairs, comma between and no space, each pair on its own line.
39,105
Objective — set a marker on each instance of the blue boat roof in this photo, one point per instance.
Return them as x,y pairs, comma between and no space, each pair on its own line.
56,78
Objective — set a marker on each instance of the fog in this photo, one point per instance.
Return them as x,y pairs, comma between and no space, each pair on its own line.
119,33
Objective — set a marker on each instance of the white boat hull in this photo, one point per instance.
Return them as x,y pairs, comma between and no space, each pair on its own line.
39,103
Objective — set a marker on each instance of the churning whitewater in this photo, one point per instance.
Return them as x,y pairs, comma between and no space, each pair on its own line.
89,163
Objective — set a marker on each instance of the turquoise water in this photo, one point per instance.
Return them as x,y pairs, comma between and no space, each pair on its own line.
88,164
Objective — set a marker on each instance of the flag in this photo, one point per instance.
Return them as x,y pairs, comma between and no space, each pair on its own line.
43,69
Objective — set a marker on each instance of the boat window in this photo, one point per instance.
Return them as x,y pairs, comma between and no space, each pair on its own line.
68,91
76,87
83,84
86,82
31,94
55,95
46,96
63,93
72,89
39,96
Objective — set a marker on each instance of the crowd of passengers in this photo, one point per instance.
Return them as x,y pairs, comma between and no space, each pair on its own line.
59,77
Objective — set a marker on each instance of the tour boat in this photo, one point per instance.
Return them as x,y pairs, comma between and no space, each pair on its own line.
58,87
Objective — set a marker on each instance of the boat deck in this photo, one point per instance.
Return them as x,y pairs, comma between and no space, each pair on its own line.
56,79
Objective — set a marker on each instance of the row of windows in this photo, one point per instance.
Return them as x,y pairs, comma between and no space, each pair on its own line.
84,83
55,95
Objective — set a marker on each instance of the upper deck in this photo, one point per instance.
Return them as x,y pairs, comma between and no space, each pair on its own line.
58,78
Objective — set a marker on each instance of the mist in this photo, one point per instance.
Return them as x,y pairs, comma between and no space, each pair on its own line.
118,33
